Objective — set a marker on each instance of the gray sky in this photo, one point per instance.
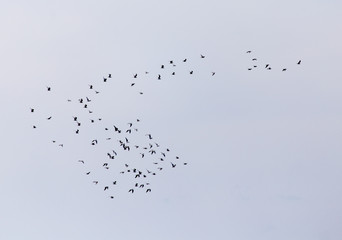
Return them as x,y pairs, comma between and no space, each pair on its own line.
263,147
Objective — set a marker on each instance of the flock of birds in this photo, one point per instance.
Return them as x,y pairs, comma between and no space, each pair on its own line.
135,156
267,65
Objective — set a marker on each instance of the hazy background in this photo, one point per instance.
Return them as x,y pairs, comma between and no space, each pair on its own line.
263,147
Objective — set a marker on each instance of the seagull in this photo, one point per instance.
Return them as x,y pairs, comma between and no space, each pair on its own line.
162,66
149,136
202,56
48,88
131,190
213,73
90,86
284,69
109,75
299,62
96,182
106,187
191,72
88,173
159,77
173,165
88,100
135,75
114,183
148,190
81,161
132,84
184,60
32,110
171,62
266,65
254,59
49,118
249,51
249,69
104,79
130,124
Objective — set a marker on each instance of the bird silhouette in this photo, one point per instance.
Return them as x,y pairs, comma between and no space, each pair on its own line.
299,62
185,60
106,188
148,190
135,75
202,56
48,88
32,110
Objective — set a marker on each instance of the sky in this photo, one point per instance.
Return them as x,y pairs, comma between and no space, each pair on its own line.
262,147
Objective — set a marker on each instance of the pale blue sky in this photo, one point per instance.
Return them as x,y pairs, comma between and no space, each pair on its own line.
263,147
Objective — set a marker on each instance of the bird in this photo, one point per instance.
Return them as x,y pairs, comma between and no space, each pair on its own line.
213,73
202,56
130,124
109,75
104,79
114,183
88,173
106,187
162,66
254,59
135,75
81,161
91,86
185,163
97,92
249,51
173,165
185,60
132,84
249,69
111,197
141,93
173,73
266,65
32,110
88,100
171,62
284,69
131,190
75,118
48,88
142,155
148,190
149,136
96,182
299,62
191,72
49,118
77,131
159,77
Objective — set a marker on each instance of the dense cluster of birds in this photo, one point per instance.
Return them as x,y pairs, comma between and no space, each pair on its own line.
132,153
134,156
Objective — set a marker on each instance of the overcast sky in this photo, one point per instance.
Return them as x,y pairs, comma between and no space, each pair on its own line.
263,147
